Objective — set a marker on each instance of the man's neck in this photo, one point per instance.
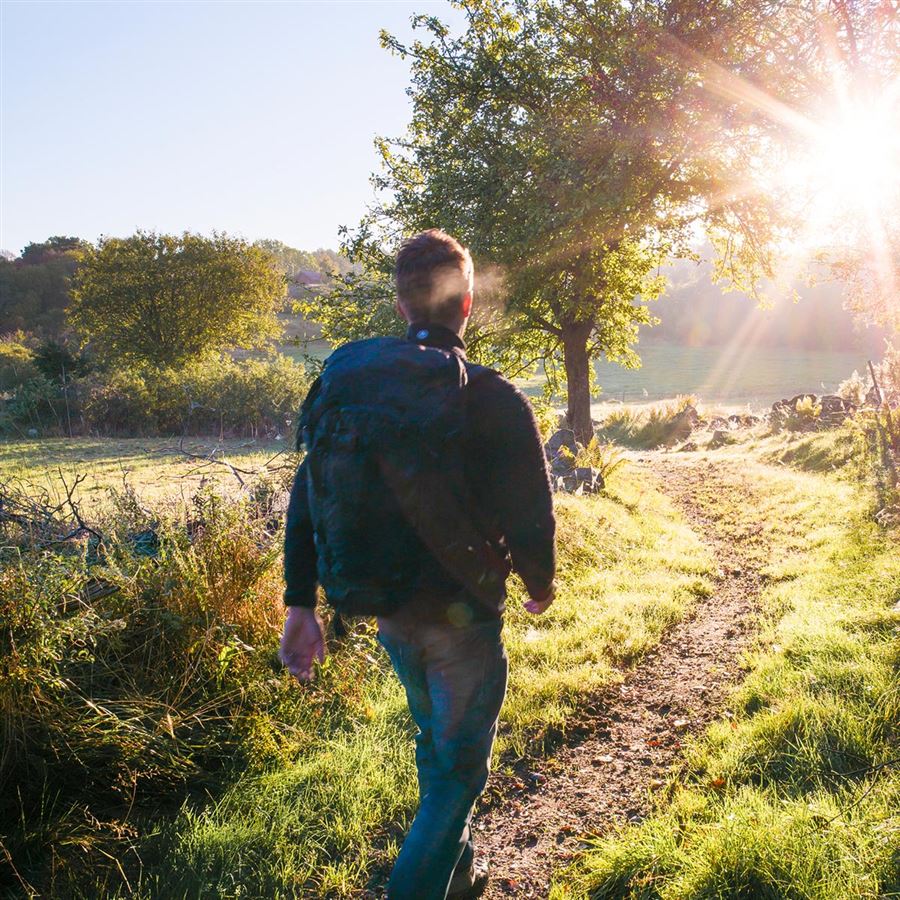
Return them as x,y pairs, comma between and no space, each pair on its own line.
435,334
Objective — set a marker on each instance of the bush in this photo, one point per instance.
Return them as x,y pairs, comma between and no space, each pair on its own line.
858,389
888,372
854,389
805,415
124,403
603,457
17,364
124,667
215,395
661,426
40,406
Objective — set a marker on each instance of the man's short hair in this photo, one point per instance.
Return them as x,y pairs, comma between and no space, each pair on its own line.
433,274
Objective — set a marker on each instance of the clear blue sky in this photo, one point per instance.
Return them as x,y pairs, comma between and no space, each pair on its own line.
254,118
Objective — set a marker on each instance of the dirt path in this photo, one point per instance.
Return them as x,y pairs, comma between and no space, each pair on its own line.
676,691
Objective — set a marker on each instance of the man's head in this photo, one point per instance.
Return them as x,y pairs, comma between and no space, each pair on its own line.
434,277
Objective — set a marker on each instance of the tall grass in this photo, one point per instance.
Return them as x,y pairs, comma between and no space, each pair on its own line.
661,426
154,746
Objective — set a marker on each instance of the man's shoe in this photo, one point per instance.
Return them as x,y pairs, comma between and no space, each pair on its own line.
469,884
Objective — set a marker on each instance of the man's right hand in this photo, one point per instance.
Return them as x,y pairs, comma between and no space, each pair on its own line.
302,642
540,603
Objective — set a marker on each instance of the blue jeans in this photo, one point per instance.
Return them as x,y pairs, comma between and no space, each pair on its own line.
455,681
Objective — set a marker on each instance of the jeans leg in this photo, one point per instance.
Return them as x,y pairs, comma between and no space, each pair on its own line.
407,662
466,671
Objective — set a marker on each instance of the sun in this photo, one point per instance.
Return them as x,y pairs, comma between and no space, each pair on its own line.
842,180
854,160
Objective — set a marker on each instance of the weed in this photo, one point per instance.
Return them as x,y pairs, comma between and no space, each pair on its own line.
606,458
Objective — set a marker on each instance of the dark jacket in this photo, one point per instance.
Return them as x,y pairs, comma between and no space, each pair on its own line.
507,472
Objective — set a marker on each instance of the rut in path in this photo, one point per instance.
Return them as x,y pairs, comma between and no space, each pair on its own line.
676,690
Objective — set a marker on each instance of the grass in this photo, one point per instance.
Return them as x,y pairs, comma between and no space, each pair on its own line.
795,792
151,466
324,823
158,750
161,752
656,426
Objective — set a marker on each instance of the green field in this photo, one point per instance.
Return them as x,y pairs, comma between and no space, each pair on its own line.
158,469
322,777
722,375
794,792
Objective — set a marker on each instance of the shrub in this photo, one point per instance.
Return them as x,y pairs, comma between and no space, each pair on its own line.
124,403
16,363
603,457
662,426
123,673
854,389
214,395
40,406
805,415
888,372
57,361
548,419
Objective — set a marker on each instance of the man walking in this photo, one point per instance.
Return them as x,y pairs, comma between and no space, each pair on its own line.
424,485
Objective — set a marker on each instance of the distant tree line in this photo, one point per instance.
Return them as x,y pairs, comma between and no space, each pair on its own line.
137,335
36,286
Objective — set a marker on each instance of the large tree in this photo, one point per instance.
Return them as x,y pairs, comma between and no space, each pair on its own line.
162,299
573,146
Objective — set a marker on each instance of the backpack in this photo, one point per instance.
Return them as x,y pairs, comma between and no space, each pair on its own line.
383,429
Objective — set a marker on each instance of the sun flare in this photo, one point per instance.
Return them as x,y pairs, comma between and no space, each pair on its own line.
855,160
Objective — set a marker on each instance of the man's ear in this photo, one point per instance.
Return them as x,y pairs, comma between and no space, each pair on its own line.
400,310
467,305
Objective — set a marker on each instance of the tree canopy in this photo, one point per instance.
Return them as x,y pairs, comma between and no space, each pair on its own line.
162,299
573,147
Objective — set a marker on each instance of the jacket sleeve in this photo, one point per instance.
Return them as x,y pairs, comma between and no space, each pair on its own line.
299,548
517,479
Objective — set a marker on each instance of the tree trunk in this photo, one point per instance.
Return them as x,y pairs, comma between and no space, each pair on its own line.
578,382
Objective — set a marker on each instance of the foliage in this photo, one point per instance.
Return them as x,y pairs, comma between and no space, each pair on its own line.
547,418
38,406
161,300
888,374
293,262
854,389
211,395
17,364
35,288
60,360
879,431
154,737
858,389
523,146
606,458
356,306
805,415
660,426
126,698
